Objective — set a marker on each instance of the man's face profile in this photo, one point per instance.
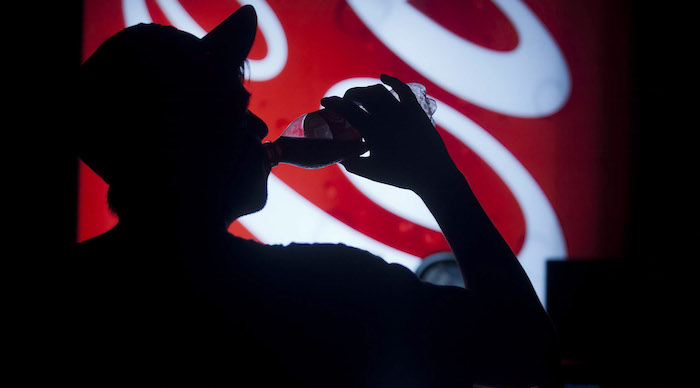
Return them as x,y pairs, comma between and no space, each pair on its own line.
246,188
221,149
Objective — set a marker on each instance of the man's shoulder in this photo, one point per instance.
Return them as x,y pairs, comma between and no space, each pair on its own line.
337,264
303,251
332,251
327,256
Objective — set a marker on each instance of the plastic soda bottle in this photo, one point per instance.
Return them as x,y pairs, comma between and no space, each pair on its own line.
321,138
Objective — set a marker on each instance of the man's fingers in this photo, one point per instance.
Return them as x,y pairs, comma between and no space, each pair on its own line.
350,111
403,90
373,98
358,166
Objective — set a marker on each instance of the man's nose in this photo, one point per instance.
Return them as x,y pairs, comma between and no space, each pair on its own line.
257,125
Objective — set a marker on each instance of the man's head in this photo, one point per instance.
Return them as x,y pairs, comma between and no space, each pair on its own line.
167,120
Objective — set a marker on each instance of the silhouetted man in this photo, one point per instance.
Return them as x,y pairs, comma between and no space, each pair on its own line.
169,297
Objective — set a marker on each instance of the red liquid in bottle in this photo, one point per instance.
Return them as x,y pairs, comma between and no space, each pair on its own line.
312,153
316,140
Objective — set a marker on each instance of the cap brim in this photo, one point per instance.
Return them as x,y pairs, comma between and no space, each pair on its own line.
233,38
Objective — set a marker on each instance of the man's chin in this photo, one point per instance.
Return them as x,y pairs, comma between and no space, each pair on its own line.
249,206
256,208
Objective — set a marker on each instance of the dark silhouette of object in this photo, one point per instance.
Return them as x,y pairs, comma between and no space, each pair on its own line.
169,297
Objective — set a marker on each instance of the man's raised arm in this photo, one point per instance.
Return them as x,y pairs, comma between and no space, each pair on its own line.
515,339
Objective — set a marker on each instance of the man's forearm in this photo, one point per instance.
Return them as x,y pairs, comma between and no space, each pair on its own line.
483,255
518,338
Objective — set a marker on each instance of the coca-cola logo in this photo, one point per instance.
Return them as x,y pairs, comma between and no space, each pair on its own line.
508,109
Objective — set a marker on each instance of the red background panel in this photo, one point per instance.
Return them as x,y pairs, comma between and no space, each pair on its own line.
577,155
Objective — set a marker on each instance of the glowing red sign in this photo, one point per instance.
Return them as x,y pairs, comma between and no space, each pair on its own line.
523,108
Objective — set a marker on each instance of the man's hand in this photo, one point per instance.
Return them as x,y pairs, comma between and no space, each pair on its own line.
405,149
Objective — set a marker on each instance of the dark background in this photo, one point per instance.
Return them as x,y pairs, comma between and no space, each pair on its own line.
41,58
